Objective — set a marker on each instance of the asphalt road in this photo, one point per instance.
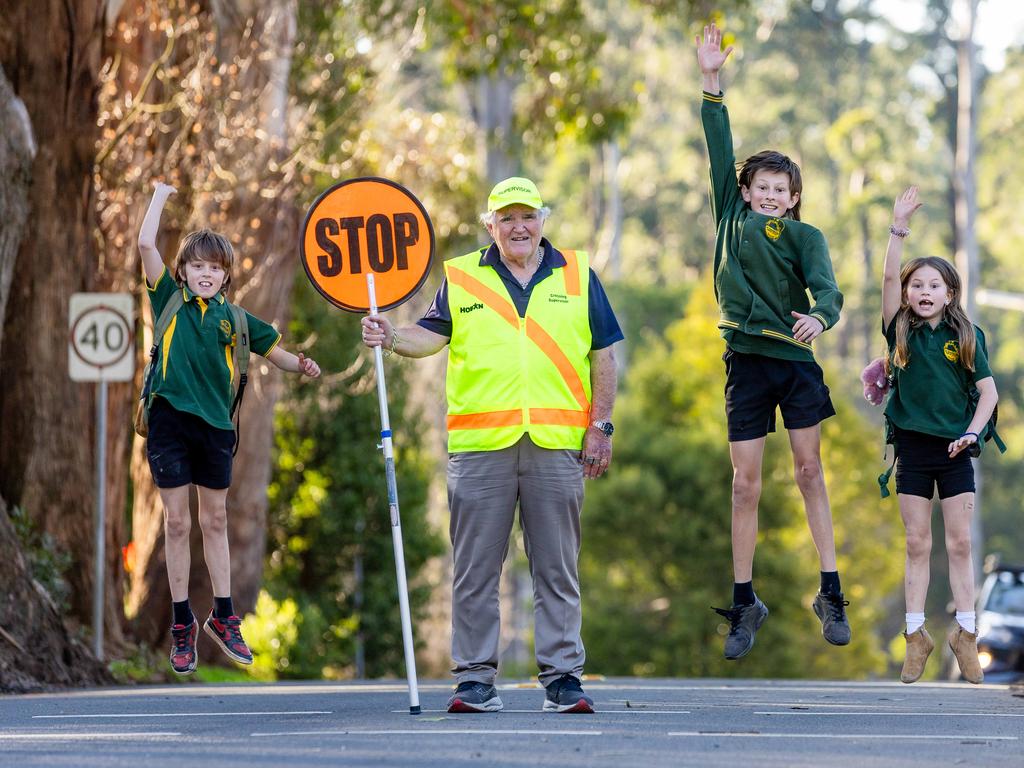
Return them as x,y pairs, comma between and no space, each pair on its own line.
639,723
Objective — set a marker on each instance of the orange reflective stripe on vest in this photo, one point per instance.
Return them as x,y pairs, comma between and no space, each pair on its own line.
572,273
550,347
490,298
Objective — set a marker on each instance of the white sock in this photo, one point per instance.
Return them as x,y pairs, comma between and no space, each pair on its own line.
966,620
914,622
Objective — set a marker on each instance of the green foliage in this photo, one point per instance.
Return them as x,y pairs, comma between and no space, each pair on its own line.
46,563
328,507
657,549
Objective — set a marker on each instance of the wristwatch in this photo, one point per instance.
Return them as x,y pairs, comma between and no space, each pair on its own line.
604,426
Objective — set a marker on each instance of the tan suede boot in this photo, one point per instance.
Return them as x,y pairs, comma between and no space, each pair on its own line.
919,647
965,647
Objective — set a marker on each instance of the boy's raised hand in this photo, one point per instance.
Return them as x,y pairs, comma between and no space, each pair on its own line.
159,188
710,55
905,206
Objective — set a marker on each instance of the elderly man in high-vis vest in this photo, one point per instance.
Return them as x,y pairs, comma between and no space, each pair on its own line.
530,387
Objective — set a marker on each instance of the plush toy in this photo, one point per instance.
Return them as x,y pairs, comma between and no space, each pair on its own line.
876,383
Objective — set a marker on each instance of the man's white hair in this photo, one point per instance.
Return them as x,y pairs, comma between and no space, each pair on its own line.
490,217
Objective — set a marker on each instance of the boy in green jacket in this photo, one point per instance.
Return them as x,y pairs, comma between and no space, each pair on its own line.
766,260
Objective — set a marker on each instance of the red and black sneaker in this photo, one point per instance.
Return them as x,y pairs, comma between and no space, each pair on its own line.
183,652
228,635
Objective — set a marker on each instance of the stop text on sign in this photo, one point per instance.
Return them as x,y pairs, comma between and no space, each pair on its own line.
362,226
383,241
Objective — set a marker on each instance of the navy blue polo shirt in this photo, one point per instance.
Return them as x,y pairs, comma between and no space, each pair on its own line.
604,327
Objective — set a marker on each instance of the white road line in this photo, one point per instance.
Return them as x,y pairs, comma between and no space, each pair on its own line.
85,736
432,732
908,736
538,711
891,714
183,714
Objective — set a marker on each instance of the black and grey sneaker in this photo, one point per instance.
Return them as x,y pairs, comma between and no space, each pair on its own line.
744,621
566,695
831,610
473,696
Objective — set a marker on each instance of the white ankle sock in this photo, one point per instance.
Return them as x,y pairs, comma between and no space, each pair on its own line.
966,619
914,622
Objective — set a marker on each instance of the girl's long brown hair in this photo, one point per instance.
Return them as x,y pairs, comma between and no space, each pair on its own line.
953,313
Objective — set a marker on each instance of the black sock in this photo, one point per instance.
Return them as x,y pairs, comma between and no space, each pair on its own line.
743,593
182,613
222,607
830,583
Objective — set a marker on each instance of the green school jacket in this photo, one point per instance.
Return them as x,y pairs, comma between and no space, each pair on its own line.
764,266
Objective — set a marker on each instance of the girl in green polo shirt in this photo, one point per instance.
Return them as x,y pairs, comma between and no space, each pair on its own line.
936,357
191,436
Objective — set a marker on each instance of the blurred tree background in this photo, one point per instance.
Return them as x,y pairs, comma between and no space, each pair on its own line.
253,109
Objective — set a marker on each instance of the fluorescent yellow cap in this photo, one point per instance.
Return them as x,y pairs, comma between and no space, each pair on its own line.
512,191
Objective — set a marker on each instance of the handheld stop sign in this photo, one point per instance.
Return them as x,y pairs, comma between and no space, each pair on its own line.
369,241
367,226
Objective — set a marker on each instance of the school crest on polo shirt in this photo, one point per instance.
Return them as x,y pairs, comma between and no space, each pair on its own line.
951,350
773,228
225,326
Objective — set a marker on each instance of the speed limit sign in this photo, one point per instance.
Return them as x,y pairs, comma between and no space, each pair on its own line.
101,340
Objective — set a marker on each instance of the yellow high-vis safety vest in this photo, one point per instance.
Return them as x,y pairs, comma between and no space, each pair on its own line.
510,375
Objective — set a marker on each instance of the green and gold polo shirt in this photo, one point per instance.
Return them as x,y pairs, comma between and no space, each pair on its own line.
932,392
194,366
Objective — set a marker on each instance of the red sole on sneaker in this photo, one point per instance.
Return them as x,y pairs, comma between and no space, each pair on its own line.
459,707
580,708
227,651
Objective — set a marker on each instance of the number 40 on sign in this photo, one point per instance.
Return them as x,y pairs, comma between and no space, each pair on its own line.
100,338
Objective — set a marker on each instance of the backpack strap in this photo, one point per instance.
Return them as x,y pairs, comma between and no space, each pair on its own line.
241,355
163,322
890,438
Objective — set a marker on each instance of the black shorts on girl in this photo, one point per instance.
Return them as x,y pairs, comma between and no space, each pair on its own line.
184,449
923,462
755,385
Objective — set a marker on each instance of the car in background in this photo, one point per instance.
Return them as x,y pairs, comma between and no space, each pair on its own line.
1001,624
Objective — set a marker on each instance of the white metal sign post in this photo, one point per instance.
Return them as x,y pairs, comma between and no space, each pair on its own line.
396,520
100,344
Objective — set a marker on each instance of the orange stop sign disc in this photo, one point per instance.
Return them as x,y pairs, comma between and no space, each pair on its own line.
361,226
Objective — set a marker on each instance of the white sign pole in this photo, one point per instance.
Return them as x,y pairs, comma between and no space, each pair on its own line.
396,523
99,349
101,517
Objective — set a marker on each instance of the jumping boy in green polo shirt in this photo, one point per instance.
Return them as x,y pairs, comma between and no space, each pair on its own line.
766,260
191,436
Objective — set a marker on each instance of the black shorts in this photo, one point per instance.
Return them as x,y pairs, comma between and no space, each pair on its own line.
923,462
756,385
183,449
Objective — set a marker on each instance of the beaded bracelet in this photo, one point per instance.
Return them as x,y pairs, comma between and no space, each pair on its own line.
394,343
900,232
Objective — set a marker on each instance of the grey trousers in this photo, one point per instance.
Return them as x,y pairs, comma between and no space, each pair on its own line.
483,490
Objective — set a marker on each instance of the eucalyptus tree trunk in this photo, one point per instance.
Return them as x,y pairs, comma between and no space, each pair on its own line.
52,53
239,184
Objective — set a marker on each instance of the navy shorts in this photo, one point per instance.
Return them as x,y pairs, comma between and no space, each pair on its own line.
755,385
923,462
184,449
